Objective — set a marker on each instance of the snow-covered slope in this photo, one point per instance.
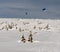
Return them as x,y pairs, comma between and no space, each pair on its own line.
46,35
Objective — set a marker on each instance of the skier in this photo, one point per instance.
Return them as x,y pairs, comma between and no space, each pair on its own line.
23,39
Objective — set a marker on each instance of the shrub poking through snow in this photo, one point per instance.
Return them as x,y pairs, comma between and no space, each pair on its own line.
10,26
20,30
23,39
6,27
34,27
40,28
47,27
30,39
16,27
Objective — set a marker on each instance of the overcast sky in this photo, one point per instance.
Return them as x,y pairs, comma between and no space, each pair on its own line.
17,8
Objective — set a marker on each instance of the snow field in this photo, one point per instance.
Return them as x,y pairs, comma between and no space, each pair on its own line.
46,35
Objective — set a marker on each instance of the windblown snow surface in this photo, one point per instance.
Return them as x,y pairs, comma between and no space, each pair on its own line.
46,35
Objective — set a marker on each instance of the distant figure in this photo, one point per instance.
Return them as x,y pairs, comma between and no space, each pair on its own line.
30,39
26,13
23,39
43,9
